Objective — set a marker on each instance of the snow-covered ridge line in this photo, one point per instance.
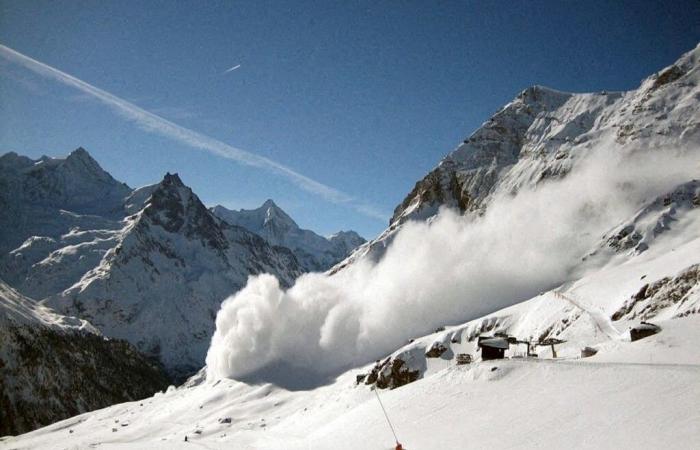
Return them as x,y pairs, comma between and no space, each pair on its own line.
543,134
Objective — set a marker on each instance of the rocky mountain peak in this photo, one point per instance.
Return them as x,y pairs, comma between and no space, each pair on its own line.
172,180
174,207
80,162
346,241
13,161
269,203
80,154
275,216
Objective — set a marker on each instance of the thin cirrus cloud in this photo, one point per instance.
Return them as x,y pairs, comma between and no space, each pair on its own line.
156,124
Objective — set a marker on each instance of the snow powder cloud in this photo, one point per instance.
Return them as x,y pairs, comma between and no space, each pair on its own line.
450,270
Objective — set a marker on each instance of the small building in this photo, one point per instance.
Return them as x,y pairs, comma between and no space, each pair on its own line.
643,330
493,347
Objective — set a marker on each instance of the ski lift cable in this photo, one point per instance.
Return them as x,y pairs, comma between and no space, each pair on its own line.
386,415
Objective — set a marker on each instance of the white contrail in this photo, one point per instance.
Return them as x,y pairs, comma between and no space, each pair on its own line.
231,69
155,124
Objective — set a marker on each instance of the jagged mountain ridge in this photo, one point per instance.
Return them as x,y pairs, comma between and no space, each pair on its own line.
49,196
544,134
53,367
127,258
161,285
314,252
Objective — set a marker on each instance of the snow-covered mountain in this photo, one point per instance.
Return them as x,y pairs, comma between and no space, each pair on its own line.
315,253
50,196
547,161
614,399
160,286
53,366
149,265
544,134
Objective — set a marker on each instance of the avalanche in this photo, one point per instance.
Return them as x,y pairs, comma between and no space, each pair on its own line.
581,218
640,394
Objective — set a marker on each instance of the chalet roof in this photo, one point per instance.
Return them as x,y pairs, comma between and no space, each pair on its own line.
496,342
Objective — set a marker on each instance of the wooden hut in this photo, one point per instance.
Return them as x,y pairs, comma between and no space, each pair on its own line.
493,347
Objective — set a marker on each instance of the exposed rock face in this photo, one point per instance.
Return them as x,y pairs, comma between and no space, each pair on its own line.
54,367
392,373
401,368
466,177
436,350
315,253
681,292
655,219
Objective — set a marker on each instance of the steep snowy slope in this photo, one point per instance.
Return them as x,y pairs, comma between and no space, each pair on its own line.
630,394
60,217
314,252
162,283
545,134
43,265
53,367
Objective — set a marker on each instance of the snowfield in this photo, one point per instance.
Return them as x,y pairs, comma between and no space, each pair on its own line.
641,394
643,402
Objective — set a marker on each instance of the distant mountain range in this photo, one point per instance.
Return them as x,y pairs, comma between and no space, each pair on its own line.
315,253
148,265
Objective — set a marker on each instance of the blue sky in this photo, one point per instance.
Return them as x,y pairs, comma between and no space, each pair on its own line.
363,97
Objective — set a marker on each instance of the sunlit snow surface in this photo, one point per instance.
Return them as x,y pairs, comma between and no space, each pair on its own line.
618,158
642,394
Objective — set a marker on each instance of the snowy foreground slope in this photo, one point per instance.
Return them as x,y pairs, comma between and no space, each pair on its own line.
641,394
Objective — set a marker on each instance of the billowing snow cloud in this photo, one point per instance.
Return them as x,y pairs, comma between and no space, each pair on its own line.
450,270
